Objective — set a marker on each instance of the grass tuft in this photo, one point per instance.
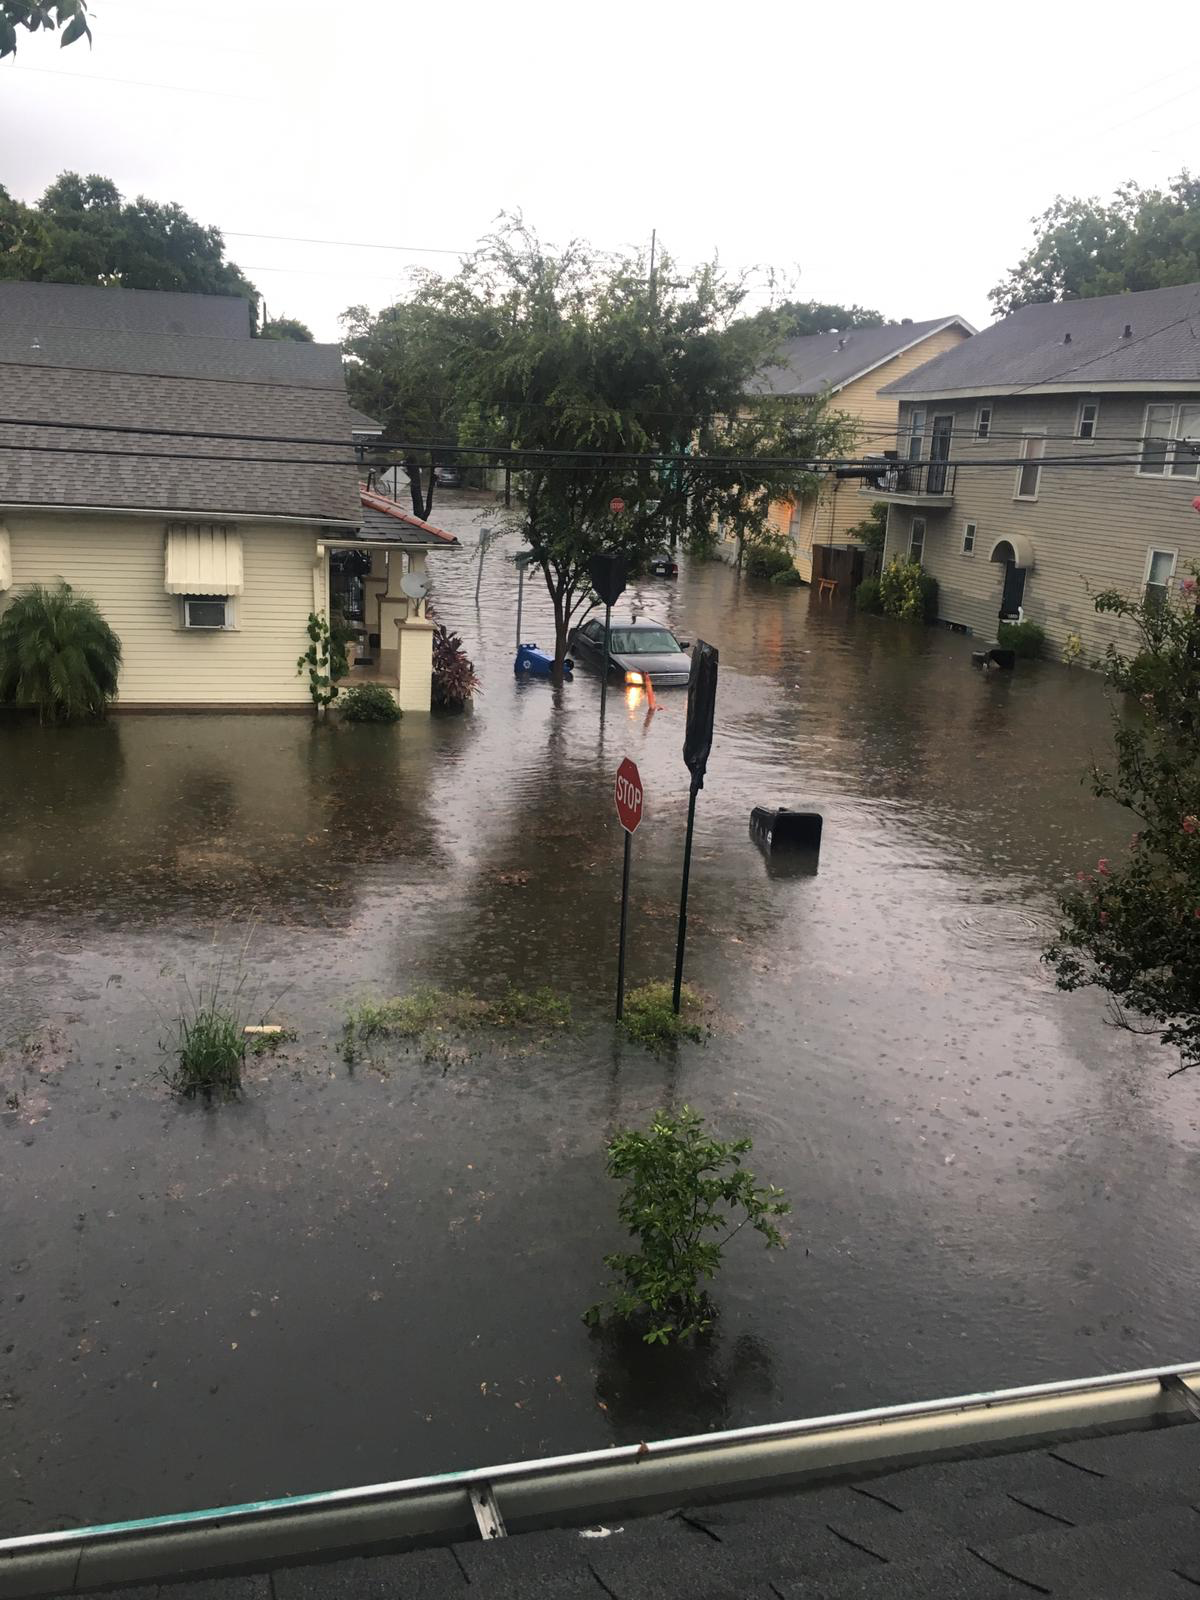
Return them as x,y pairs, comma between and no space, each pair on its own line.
210,1051
428,1012
650,1019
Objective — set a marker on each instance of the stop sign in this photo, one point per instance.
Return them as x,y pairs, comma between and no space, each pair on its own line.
629,795
616,505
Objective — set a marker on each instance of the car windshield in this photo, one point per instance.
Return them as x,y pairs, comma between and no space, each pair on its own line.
644,642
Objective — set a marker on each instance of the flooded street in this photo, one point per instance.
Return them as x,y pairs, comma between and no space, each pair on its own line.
364,1271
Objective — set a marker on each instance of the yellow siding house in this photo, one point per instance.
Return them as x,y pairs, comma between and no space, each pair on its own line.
851,367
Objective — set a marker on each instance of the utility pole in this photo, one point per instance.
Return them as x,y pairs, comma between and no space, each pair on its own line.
653,244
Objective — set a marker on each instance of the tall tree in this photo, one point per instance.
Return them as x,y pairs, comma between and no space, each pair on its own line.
587,355
83,231
31,15
1141,239
1131,927
795,319
286,328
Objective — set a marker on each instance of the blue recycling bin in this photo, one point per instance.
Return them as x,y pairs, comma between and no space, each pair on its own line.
534,663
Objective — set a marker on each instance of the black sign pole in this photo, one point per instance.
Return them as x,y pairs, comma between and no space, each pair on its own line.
608,572
604,679
683,896
697,742
624,923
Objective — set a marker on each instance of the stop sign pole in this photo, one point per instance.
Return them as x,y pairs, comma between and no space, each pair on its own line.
628,796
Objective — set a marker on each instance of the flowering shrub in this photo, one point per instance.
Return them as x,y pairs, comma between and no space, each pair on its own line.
454,680
1132,927
907,591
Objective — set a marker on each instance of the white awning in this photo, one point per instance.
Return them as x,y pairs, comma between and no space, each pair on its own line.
203,558
5,560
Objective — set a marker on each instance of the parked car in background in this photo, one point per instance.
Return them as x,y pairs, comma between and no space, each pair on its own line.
663,565
449,477
638,649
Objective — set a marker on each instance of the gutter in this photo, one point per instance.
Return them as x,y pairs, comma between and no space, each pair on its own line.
177,514
580,1488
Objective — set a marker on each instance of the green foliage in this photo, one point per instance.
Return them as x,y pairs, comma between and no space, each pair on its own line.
1132,927
286,328
428,1012
765,558
208,1043
83,231
69,15
796,319
787,578
342,635
321,662
369,702
454,680
869,596
580,350
872,530
1026,638
681,1187
1141,239
58,655
266,1044
907,591
650,1015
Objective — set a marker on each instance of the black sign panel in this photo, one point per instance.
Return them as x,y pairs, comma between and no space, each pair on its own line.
608,574
701,706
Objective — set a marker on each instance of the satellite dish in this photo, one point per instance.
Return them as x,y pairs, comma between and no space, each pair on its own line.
416,585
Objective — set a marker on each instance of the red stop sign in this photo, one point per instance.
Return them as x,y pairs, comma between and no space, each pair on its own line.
616,505
629,795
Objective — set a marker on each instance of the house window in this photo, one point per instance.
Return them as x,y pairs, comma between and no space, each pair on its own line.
1029,475
1089,414
1160,568
969,531
983,422
916,433
207,611
916,539
1171,442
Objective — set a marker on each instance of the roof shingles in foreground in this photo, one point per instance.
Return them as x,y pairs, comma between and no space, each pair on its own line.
1093,1519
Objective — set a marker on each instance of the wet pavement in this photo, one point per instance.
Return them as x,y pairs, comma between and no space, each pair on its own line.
371,1270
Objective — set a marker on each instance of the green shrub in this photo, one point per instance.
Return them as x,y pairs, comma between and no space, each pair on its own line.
650,1015
429,1011
369,702
871,532
787,578
1026,638
58,655
907,591
454,679
765,560
867,597
681,1187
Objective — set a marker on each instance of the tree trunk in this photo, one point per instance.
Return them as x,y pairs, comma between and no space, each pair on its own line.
562,627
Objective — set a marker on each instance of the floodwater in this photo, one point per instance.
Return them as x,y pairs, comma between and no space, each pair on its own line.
362,1272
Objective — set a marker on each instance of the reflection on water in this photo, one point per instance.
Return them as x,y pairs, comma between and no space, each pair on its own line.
352,1278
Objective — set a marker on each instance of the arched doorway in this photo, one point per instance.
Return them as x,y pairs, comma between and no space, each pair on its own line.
1015,554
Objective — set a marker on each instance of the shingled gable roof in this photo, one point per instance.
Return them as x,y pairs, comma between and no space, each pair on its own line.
1030,350
84,305
386,522
822,362
61,373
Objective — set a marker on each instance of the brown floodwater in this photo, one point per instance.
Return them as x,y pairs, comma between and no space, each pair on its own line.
362,1271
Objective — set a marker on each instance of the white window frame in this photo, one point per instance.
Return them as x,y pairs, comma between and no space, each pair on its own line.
924,535
983,425
972,527
916,435
1159,550
1094,402
1028,435
228,626
1166,472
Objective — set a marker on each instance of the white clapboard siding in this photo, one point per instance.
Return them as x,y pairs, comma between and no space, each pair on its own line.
119,562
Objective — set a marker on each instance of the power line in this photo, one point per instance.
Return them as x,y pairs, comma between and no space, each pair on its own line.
349,244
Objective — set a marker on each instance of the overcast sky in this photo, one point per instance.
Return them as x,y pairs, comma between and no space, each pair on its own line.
887,156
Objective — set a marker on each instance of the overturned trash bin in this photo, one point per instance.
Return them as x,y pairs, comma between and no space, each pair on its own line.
790,840
536,663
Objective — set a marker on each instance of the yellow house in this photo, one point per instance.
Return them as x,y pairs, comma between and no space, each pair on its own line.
851,368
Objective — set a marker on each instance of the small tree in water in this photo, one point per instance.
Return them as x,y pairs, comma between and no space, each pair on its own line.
1132,928
58,655
681,1186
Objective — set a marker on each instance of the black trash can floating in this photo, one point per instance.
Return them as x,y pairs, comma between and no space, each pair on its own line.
792,837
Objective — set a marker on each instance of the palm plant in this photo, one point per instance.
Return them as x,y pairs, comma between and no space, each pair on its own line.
58,654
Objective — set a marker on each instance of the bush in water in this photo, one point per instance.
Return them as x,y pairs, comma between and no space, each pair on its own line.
369,702
58,655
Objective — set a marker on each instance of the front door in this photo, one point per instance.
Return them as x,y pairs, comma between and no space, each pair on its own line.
939,451
1014,591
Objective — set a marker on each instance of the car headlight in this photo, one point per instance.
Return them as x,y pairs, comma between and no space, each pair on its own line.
634,677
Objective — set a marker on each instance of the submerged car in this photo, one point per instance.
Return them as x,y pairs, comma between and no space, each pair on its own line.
637,650
450,477
663,565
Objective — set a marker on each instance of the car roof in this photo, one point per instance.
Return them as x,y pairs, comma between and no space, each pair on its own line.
626,623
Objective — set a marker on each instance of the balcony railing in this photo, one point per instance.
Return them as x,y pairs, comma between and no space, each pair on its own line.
911,480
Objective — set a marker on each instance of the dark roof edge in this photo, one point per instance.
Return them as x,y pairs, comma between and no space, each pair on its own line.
191,513
1046,386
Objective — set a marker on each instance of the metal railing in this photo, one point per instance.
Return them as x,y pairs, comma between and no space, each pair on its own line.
933,478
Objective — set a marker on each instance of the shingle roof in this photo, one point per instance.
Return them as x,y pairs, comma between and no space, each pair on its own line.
822,361
181,382
362,423
384,519
80,305
1027,349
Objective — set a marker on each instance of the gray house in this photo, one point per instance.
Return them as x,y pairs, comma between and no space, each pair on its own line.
1057,451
